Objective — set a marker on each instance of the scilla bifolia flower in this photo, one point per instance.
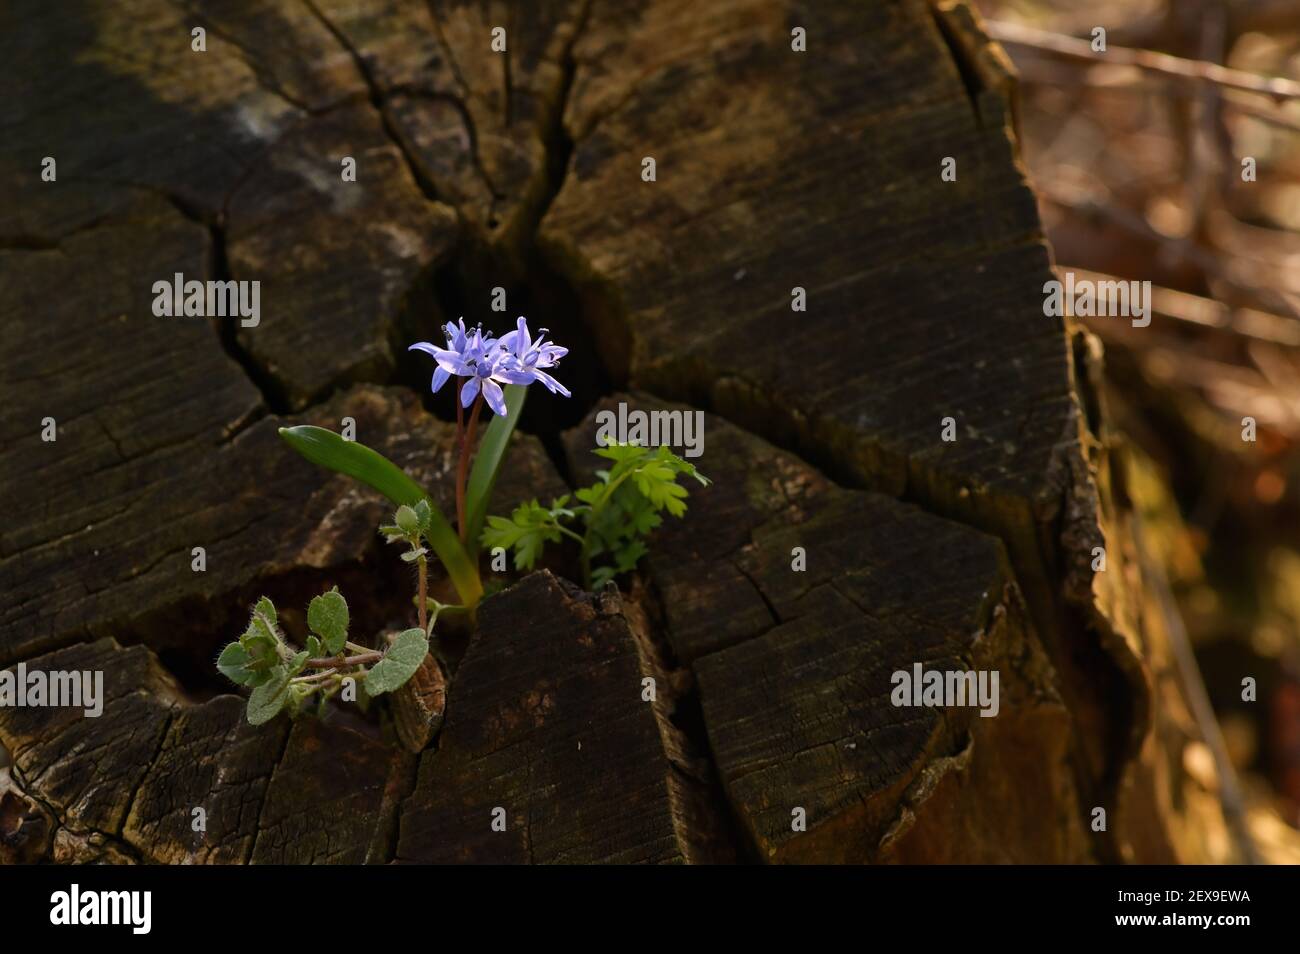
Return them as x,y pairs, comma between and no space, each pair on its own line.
489,362
522,359
606,521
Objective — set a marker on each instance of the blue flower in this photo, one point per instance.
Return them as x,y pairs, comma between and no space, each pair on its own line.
486,374
489,363
453,359
523,358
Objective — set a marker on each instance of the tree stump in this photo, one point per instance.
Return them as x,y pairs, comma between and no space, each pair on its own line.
883,393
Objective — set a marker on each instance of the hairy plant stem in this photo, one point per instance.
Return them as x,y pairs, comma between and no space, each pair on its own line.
319,677
334,662
421,566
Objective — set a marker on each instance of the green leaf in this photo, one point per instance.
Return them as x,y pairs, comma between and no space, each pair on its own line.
296,695
622,453
327,615
491,451
526,531
233,664
400,662
259,678
626,505
328,449
313,647
628,556
264,618
407,519
298,663
263,650
269,698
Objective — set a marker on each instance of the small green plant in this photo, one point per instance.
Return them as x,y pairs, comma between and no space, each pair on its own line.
286,679
615,513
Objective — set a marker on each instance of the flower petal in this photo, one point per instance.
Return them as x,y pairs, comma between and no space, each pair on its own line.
456,335
513,376
550,354
469,392
440,377
551,384
452,362
494,396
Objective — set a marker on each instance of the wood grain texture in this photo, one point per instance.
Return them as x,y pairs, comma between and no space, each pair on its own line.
118,559
821,171
132,777
546,722
775,169
794,666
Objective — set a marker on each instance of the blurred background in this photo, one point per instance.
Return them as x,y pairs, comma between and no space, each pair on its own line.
1174,157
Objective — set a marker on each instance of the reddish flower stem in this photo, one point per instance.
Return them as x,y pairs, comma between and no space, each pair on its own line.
330,662
462,471
460,467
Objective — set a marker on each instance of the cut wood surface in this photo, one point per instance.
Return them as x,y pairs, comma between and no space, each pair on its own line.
551,723
781,178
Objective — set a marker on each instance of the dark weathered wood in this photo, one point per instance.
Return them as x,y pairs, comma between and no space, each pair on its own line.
775,169
333,797
88,769
323,325
708,600
794,666
210,759
25,826
546,722
118,557
477,123
129,781
420,705
924,296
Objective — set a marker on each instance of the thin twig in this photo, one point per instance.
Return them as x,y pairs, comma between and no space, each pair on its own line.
1212,315
1106,80
1198,699
332,662
1203,258
1149,60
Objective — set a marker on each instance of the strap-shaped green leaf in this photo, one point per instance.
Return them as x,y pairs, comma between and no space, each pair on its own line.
491,451
330,450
